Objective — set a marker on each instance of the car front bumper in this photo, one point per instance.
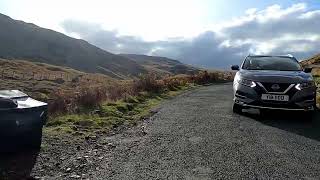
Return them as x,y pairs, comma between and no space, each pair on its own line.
248,97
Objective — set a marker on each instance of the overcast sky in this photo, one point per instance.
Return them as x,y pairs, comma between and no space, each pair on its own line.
207,33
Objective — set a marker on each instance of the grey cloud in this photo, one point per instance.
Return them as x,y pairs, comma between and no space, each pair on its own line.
203,50
206,49
290,24
295,47
108,40
299,25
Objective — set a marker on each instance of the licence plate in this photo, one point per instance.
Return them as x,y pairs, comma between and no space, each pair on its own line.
273,97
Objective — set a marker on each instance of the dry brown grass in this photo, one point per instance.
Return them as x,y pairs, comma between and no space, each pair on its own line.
70,91
90,97
311,61
40,80
85,97
316,72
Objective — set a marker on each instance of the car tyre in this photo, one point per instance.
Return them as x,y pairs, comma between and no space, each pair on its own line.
237,108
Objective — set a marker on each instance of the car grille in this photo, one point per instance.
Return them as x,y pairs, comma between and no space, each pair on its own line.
282,86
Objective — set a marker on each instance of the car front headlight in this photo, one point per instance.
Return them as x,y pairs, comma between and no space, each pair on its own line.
304,85
248,83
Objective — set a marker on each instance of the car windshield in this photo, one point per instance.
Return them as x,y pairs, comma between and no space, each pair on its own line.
271,63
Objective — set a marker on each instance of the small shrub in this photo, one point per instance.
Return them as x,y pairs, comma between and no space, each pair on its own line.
110,122
60,104
141,97
122,108
131,99
85,123
75,79
130,106
148,83
118,91
90,98
111,111
59,81
111,104
55,123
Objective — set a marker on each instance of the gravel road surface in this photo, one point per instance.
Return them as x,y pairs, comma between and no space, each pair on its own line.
196,136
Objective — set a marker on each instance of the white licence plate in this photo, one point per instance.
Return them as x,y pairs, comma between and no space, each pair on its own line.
274,97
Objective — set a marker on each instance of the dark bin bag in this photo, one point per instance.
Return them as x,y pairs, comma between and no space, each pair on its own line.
7,103
21,120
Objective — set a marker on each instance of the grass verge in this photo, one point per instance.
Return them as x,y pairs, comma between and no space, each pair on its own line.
88,104
110,116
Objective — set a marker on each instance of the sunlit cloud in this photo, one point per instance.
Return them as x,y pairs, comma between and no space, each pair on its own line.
273,30
180,29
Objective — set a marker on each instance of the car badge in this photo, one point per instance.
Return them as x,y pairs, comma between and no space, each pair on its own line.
275,87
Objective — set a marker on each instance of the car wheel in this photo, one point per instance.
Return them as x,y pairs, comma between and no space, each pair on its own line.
237,108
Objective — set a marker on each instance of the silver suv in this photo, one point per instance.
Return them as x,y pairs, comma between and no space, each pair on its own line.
273,82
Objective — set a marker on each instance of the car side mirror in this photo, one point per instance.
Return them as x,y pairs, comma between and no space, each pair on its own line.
235,67
307,70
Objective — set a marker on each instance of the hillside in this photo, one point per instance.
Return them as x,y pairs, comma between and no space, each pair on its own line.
313,61
40,80
161,65
20,40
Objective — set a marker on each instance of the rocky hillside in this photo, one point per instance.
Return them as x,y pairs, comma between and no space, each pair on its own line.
161,65
313,61
20,40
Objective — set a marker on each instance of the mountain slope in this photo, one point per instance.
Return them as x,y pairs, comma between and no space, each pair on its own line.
20,40
40,79
313,61
161,65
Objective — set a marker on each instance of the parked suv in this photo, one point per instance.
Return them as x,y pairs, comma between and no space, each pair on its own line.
273,82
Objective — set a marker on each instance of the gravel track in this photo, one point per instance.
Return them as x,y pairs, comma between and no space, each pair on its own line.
195,136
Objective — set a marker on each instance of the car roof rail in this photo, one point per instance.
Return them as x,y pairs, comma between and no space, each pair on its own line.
254,55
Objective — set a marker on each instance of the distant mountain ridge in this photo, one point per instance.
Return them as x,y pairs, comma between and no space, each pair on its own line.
146,58
161,65
20,40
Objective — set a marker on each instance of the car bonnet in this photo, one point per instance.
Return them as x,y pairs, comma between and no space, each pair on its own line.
276,76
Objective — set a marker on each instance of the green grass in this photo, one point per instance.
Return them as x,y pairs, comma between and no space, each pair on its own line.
109,115
77,100
317,80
